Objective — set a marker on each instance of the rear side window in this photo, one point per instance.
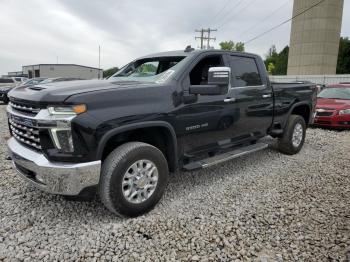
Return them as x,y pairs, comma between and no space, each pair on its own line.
244,71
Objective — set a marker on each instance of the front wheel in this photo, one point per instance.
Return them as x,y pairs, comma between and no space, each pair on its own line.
294,136
133,179
6,100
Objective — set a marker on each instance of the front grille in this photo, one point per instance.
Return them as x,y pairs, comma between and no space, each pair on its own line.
324,113
25,134
27,109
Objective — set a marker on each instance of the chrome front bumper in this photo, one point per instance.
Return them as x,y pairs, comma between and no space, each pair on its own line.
53,177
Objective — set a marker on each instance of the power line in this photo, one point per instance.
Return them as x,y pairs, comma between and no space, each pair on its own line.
222,9
231,9
205,37
239,11
266,18
284,22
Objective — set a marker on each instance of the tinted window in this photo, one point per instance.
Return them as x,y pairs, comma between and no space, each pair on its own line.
4,80
199,74
244,71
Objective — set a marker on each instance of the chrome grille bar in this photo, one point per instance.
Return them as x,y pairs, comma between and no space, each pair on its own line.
25,108
29,136
26,141
22,127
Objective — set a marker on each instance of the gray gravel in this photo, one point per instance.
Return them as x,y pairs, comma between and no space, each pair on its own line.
263,207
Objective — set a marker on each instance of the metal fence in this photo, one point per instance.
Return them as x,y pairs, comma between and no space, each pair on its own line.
317,79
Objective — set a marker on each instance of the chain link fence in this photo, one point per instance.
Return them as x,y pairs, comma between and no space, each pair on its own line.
317,79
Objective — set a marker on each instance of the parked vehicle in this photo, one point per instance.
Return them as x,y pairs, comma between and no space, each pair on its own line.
175,110
6,84
333,107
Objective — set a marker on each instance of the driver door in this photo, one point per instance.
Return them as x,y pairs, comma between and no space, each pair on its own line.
206,122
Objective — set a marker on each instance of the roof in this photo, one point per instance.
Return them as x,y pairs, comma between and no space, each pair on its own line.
197,51
64,65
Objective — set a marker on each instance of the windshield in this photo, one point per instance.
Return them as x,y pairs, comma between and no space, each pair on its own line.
46,81
155,69
335,93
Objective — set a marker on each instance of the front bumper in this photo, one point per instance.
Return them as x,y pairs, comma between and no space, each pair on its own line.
53,177
336,121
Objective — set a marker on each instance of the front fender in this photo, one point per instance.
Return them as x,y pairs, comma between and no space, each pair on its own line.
111,133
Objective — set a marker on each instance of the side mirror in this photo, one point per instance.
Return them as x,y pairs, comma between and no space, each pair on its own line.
219,76
218,82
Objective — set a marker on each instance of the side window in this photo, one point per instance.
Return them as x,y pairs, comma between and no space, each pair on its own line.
244,72
199,74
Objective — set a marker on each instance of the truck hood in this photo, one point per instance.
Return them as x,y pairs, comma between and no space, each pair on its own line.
337,104
58,92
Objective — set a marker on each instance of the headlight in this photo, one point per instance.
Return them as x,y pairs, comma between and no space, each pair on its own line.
62,138
67,110
62,134
344,112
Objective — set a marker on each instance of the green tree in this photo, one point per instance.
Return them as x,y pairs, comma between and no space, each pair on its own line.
277,63
270,68
232,46
343,66
109,72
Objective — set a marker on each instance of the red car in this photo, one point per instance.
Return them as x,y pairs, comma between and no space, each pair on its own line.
333,107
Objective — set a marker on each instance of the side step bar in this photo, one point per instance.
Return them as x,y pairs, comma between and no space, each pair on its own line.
211,161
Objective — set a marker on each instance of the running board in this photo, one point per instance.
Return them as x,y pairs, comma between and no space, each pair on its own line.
211,161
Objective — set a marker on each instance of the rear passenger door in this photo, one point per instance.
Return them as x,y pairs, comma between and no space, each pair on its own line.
253,96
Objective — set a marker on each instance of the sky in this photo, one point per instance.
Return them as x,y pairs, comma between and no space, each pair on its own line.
70,31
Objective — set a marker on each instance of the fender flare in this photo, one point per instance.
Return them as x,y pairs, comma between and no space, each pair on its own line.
296,105
105,138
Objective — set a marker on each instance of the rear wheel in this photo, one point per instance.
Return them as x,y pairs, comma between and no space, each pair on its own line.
133,179
294,136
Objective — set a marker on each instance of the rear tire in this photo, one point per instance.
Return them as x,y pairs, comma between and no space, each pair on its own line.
294,136
128,186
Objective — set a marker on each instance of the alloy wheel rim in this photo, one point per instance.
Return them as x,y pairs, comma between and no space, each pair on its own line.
297,135
140,181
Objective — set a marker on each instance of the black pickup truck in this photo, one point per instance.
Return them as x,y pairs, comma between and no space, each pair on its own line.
122,137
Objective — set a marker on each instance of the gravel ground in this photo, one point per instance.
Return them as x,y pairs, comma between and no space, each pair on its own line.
263,207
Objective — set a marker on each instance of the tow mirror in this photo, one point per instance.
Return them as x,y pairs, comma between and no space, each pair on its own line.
218,82
219,76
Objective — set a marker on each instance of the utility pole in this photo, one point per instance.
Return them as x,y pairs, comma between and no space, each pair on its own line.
99,62
200,37
205,36
209,38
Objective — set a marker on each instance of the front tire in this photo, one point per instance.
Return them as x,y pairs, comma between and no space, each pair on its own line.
133,179
6,100
294,136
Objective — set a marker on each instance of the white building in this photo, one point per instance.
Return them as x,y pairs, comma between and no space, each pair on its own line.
62,70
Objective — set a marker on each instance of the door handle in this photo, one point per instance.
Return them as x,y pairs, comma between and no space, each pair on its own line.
267,96
229,100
